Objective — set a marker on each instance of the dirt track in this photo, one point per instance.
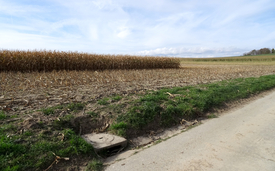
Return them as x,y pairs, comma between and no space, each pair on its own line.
241,139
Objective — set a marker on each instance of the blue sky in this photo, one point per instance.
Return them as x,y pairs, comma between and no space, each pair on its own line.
181,28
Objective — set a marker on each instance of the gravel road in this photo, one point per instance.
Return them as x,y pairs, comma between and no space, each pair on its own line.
239,140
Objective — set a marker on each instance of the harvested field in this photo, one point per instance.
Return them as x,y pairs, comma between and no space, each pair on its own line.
268,59
46,112
62,86
255,58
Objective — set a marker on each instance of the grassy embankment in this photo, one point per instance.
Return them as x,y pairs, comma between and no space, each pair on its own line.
267,59
155,109
166,107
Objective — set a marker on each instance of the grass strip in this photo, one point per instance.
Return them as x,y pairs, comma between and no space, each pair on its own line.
166,107
30,151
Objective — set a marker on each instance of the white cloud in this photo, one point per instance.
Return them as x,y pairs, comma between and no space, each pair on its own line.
24,41
13,9
123,33
92,32
102,3
188,28
193,52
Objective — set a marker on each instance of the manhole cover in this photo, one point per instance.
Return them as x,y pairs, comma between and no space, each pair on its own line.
105,141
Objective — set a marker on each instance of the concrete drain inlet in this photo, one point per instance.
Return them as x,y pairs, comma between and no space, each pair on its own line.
108,142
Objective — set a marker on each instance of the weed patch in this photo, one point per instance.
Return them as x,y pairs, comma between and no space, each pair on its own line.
95,165
76,106
117,98
48,111
51,110
103,101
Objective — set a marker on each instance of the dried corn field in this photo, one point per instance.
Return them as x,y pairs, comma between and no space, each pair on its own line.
29,61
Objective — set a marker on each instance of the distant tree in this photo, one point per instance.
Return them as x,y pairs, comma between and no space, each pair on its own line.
273,51
259,52
254,52
265,51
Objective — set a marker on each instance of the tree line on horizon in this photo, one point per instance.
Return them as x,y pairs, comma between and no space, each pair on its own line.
259,52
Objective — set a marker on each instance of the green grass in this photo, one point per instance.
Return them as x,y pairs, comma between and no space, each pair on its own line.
35,152
117,108
76,106
72,107
63,122
116,98
119,128
48,111
95,165
103,101
93,114
190,102
51,110
2,115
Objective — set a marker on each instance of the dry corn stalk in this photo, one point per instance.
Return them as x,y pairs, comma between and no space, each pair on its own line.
29,61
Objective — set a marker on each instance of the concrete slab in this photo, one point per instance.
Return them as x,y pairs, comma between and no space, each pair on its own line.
105,141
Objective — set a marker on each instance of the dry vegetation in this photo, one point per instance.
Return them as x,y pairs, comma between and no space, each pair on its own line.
29,61
95,84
